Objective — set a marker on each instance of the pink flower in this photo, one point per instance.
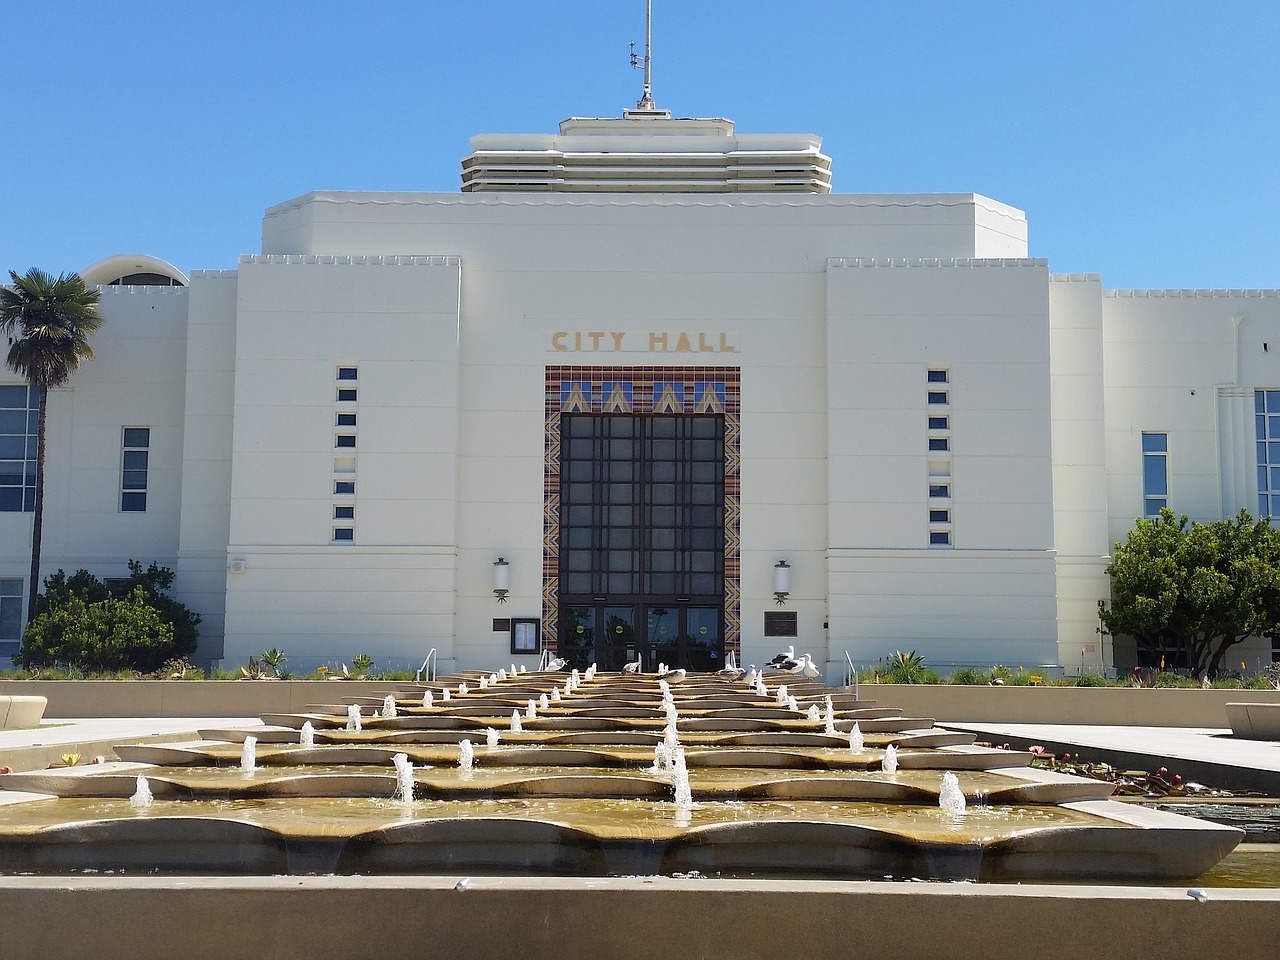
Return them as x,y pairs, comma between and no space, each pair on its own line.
1036,749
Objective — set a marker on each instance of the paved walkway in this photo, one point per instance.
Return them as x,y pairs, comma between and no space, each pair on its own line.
1209,755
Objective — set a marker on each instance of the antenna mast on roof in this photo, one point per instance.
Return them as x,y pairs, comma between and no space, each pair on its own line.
646,101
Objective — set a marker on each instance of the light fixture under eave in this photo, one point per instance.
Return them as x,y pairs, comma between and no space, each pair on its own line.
501,579
781,582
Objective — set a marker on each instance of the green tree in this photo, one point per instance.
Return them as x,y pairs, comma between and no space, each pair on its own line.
50,321
111,634
74,610
1196,588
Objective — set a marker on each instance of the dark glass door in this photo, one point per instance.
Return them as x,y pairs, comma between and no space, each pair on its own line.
642,539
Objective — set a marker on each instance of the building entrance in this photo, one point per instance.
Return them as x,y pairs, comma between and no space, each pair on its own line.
611,635
642,540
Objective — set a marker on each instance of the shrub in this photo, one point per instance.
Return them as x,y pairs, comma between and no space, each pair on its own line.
110,634
81,623
968,676
909,668
1089,680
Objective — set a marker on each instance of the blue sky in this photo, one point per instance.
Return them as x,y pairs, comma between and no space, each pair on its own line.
1141,138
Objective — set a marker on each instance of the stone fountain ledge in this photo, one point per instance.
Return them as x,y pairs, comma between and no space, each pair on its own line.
301,918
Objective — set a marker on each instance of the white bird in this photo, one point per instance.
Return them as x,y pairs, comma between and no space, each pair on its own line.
806,667
559,663
673,676
632,667
781,658
751,674
731,673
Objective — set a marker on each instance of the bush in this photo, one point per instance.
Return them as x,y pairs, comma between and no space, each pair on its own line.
909,668
968,676
110,634
1090,680
81,623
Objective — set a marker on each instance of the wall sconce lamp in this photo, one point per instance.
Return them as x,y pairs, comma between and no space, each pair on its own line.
781,582
501,579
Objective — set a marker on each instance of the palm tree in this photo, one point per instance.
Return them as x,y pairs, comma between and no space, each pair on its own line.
49,322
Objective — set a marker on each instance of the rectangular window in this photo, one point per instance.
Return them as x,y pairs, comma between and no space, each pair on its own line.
345,440
1155,473
346,373
938,397
939,423
344,513
937,376
346,396
134,466
939,490
939,443
11,615
1266,406
341,534
344,486
346,419
939,516
939,538
19,405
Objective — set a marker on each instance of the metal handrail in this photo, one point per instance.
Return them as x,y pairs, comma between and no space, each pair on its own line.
431,674
853,675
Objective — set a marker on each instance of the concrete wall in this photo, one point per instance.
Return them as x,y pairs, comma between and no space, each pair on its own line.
299,918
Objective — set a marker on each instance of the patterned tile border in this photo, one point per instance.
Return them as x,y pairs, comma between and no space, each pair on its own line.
643,390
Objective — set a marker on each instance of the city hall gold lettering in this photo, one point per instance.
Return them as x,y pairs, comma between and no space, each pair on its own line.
614,341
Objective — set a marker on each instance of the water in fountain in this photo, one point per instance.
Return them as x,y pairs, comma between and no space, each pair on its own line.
829,719
491,736
793,704
855,738
680,780
516,726
761,689
427,700
568,687
512,672
484,683
463,690
555,694
782,693
466,756
522,669
671,738
669,707
142,798
576,677
950,796
530,710
307,735
444,695
890,762
389,706
543,702
248,755
502,674
812,714
404,778
353,718
493,678
661,758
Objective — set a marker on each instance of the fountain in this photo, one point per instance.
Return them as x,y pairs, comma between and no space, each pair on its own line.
142,797
404,778
248,755
307,735
581,789
389,706
950,797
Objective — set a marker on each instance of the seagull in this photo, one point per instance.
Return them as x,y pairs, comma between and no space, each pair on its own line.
559,663
731,673
751,674
778,661
631,667
808,668
673,676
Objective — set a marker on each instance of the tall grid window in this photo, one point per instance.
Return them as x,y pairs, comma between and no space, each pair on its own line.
1155,473
642,506
937,381
11,619
134,466
1266,408
19,405
344,465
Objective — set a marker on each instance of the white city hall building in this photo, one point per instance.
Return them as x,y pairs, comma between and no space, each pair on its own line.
645,387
